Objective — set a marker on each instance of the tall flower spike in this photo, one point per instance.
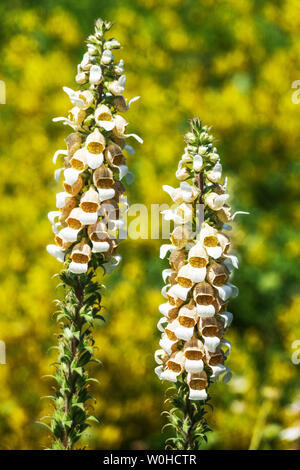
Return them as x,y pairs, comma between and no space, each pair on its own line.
193,349
87,222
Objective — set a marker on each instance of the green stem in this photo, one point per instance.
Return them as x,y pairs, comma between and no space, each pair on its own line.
78,313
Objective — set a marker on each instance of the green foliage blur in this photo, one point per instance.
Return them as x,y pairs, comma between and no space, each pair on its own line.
232,63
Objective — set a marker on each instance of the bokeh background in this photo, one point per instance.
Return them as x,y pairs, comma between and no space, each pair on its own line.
230,62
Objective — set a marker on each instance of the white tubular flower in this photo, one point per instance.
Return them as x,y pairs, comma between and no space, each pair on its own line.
86,63
107,57
198,395
56,252
87,98
71,176
68,234
88,223
167,344
90,202
78,161
74,97
197,383
168,310
185,193
197,163
194,353
182,215
216,201
94,160
182,174
117,87
76,115
81,78
95,142
174,367
104,118
195,315
80,256
210,241
220,371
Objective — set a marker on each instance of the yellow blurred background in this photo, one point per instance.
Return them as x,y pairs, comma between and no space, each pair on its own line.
232,63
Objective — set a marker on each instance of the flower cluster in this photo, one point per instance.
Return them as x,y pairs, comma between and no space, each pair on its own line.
88,221
195,316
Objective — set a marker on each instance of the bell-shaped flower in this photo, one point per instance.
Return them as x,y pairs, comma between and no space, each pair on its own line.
213,358
217,274
117,87
120,126
185,276
61,242
216,201
74,97
69,234
181,215
197,383
198,260
87,98
95,142
77,115
78,161
197,163
107,57
209,239
224,214
81,78
174,367
203,293
104,118
180,237
186,321
215,175
73,142
194,353
177,259
73,188
220,371
74,219
168,345
179,292
56,252
226,291
89,201
113,155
